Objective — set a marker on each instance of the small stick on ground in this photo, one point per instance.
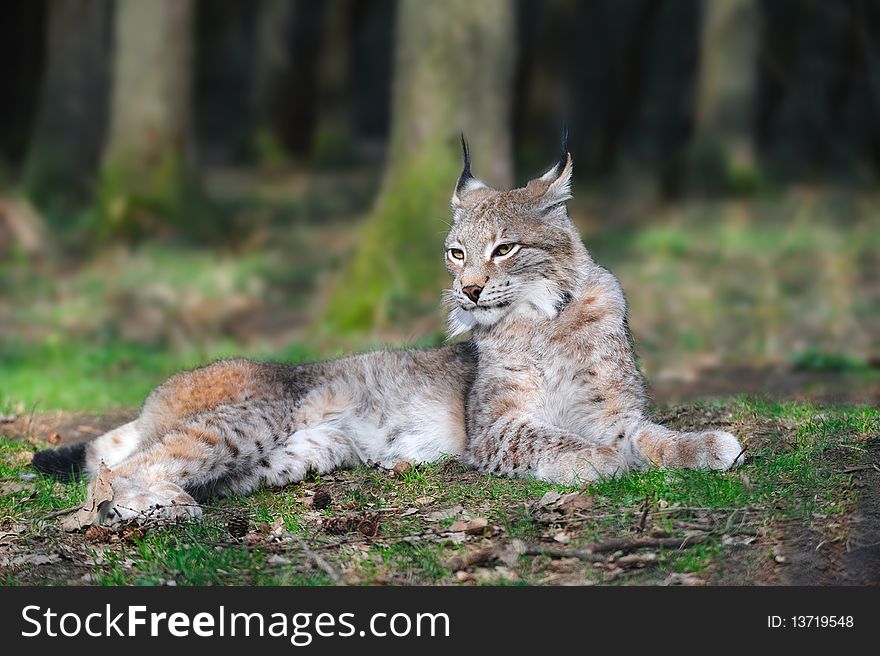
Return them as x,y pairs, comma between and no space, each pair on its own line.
478,557
631,544
322,564
644,519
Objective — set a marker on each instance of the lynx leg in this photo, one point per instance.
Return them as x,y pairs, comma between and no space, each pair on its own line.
206,456
664,447
530,447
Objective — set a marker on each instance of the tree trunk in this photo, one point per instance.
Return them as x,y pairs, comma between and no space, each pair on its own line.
65,144
146,177
453,73
272,72
723,150
333,144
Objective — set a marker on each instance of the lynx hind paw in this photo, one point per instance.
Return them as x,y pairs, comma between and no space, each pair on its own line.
726,452
162,502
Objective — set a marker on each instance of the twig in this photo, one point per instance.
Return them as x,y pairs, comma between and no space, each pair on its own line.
478,557
592,553
582,554
631,544
318,560
641,527
850,470
30,427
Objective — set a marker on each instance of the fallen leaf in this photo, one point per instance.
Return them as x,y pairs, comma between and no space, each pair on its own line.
100,493
275,559
475,526
424,501
569,504
11,487
549,499
678,578
277,527
448,513
30,559
401,467
511,552
409,511
562,537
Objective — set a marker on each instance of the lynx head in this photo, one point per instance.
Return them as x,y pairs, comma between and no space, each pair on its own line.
512,251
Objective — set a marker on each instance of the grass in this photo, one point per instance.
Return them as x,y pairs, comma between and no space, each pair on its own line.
797,455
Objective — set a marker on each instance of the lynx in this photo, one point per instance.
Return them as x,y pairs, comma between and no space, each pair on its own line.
547,385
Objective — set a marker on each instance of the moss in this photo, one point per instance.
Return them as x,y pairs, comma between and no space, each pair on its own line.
136,199
52,183
399,257
333,149
270,153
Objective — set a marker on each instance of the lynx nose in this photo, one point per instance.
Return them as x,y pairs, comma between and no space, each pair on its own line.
472,292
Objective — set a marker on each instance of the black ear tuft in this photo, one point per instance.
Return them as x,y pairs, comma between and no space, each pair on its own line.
563,155
466,175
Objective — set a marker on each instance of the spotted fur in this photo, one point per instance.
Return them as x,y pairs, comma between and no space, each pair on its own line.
547,386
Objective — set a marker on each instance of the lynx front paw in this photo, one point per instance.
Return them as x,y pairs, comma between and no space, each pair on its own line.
723,450
166,501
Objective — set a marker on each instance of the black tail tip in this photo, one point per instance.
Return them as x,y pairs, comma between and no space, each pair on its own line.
65,464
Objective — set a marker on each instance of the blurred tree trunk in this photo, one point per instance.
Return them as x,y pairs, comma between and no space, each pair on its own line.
333,142
727,82
271,76
453,72
146,176
65,143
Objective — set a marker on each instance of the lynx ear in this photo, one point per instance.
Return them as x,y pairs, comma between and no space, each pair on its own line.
554,187
467,184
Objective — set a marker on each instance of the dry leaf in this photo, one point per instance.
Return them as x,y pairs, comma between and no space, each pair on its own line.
683,579
510,554
11,487
440,515
562,537
30,559
424,501
100,493
475,526
401,467
574,502
549,499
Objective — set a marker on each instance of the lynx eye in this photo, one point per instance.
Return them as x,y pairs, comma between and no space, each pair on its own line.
503,249
456,253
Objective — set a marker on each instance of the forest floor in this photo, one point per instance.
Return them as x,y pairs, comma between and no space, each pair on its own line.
769,305
804,509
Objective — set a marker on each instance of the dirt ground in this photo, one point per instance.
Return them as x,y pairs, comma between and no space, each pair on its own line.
626,542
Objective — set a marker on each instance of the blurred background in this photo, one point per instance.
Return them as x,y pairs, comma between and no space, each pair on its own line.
182,180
